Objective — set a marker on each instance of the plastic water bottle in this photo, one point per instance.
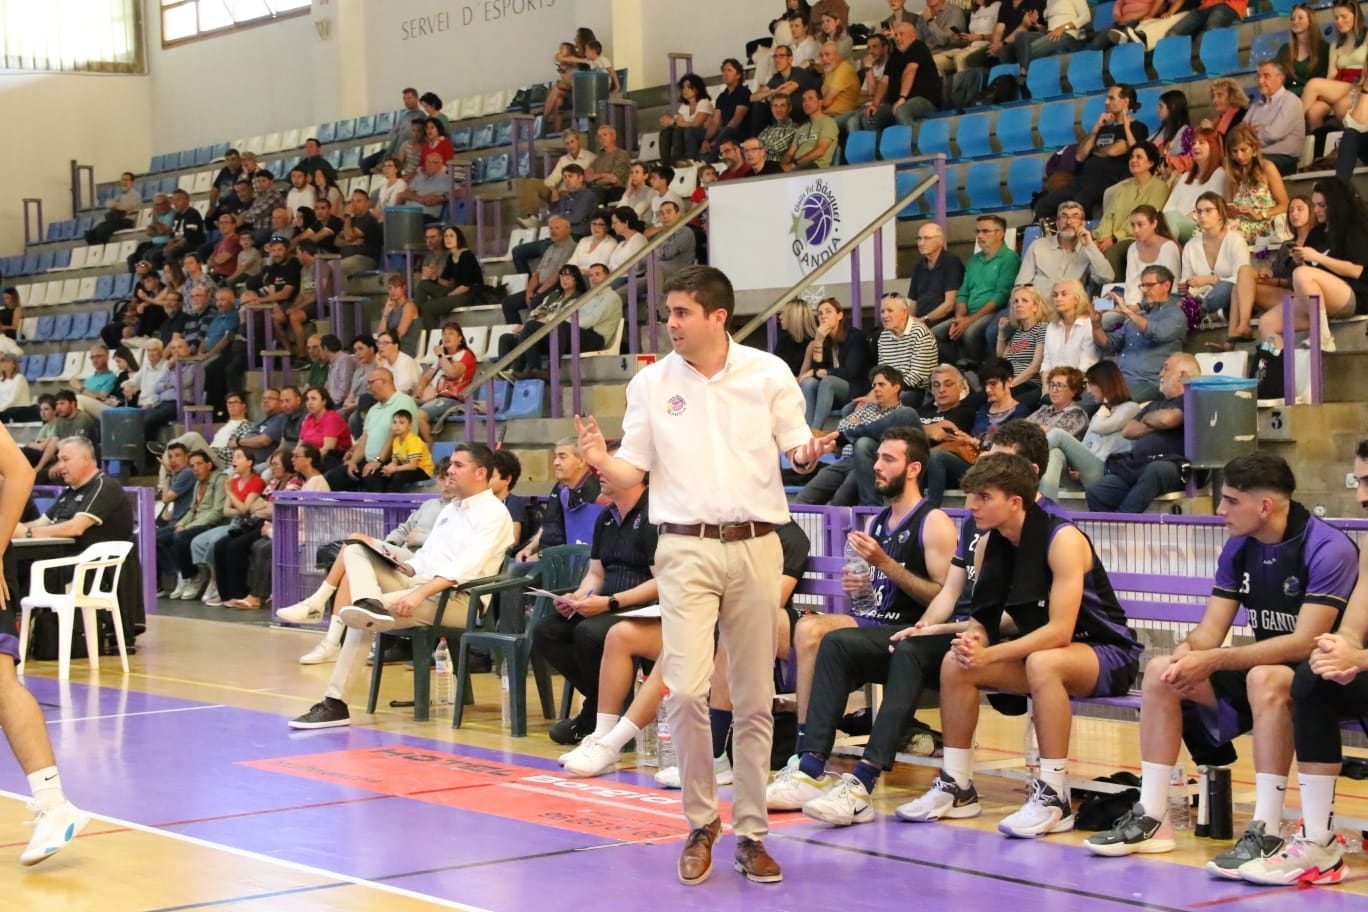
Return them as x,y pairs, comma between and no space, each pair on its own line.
1180,806
646,740
1031,751
443,682
665,749
505,707
861,600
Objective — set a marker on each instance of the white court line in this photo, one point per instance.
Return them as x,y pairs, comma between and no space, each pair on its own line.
149,712
256,856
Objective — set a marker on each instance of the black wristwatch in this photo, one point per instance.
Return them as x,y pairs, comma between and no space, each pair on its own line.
613,604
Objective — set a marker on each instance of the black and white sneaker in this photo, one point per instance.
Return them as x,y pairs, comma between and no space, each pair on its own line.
328,714
367,614
1045,811
1255,843
1135,833
945,798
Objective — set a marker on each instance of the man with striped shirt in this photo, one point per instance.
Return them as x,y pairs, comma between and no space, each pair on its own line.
905,344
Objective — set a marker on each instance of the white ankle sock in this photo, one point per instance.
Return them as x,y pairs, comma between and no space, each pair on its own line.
622,732
1055,774
959,765
323,593
335,630
46,786
604,724
1318,806
1154,788
1269,793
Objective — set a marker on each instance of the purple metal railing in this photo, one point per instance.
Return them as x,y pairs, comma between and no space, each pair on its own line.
1314,368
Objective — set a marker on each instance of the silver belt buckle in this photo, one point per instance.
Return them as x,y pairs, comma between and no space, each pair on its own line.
724,529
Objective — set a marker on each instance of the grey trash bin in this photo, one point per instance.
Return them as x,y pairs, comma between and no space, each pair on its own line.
403,229
121,434
589,88
1220,419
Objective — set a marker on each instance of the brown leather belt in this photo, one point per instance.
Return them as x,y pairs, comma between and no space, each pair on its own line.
727,532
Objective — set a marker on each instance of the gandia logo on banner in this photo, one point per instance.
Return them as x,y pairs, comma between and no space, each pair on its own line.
816,224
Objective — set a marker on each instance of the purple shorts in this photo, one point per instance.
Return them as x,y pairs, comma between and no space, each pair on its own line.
1117,669
9,645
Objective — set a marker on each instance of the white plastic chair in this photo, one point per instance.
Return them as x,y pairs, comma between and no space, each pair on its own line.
94,588
611,344
476,337
78,258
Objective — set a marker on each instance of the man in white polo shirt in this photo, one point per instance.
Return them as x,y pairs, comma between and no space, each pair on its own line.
708,422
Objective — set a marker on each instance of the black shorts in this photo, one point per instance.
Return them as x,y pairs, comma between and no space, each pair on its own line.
1209,728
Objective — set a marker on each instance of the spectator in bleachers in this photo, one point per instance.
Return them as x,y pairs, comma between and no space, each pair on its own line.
835,364
430,188
1147,335
948,461
679,249
265,199
14,387
1212,259
308,465
936,278
1102,154
325,230
1228,106
988,278
402,367
1068,253
398,134
225,181
364,456
204,513
608,174
1068,340
814,142
1019,339
840,82
756,158
797,329
1066,24
904,343
1087,460
1259,288
628,227
459,276
1276,119
292,408
227,435
552,186
1128,18
242,562
568,60
831,27
187,230
222,261
1015,17
1060,410
1335,272
682,133
174,482
602,314
1175,135
323,427
1255,190
122,211
388,194
970,47
96,393
1207,174
939,26
1154,464
263,436
576,204
442,386
660,178
571,286
400,315
301,192
788,80
778,136
1305,56
240,200
173,316
1154,246
435,256
358,399
431,103
594,59
411,156
1210,14
599,244
1352,151
543,281
639,194
804,43
911,87
730,119
325,187
1144,187
196,320
47,414
341,367
731,165
195,276
314,161
11,312
873,66
226,352
405,461
835,483
362,238
158,231
242,488
436,142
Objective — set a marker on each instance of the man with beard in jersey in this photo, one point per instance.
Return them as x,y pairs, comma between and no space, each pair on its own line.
909,546
1293,575
1071,641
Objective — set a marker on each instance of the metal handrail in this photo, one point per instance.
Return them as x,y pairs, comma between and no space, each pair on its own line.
844,250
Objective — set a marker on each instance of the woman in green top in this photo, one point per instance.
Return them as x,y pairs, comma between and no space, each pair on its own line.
1143,187
1304,57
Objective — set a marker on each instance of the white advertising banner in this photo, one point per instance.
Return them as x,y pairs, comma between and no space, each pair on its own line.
769,232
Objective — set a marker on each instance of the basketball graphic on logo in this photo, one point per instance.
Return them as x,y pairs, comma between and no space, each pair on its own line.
819,218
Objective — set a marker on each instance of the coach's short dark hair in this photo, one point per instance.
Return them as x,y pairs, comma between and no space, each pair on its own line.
481,455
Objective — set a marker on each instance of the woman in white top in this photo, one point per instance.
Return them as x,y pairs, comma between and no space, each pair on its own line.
638,195
1154,245
598,247
1087,460
308,464
14,388
1212,259
1068,336
627,225
682,134
1207,174
389,191
1066,25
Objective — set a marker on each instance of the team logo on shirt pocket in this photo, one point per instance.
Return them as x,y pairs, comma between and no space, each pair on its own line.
676,406
1292,587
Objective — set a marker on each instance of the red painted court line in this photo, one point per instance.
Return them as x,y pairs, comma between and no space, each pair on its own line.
264,811
1259,894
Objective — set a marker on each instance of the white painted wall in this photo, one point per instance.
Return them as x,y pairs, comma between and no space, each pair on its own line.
51,119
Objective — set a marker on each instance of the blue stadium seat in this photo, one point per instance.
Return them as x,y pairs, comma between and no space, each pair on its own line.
346,129
526,401
1042,78
501,391
327,132
496,167
1173,59
365,125
61,257
1085,72
460,139
99,319
903,184
1104,14
123,285
1025,178
351,158
974,134
30,266
1220,52
155,164
168,185
503,133
203,155
44,331
54,231
1092,109
218,150
895,142
384,122
482,137
1265,47
1283,7
1127,64
983,184
1013,130
477,170
53,365
933,136
46,260
859,147
80,326
334,158
61,329
33,367
1029,235
104,286
1149,106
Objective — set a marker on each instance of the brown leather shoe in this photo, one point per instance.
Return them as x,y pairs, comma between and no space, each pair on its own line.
753,861
695,862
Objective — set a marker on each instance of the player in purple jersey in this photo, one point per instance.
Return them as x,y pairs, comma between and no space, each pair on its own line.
1293,574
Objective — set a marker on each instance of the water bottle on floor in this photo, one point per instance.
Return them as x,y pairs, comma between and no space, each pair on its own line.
505,708
646,740
665,750
1180,806
862,600
444,684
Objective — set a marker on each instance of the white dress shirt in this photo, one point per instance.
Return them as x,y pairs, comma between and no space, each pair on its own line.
467,541
1071,347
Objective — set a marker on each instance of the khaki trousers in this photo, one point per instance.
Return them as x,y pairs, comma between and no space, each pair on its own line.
732,587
